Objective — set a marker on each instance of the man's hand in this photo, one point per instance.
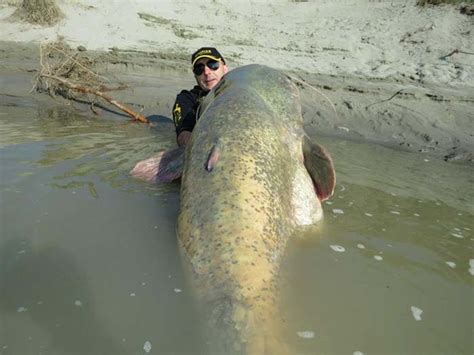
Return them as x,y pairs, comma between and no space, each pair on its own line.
183,138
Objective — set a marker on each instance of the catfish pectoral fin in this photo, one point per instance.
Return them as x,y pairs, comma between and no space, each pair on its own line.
212,158
166,166
320,167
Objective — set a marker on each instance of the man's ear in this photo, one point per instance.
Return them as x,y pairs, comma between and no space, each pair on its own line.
226,69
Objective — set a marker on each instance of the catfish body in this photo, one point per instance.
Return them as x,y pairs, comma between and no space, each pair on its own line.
251,177
244,189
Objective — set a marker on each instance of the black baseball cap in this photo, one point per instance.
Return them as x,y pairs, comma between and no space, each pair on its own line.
206,52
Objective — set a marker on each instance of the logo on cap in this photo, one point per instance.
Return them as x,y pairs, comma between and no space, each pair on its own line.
206,52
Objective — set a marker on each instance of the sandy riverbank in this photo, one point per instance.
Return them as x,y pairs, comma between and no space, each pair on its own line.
380,62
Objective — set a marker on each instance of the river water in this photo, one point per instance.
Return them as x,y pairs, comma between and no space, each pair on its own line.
89,262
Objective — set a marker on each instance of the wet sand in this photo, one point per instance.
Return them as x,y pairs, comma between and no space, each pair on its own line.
431,119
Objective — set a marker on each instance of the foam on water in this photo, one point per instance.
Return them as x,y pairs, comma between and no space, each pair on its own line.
338,248
147,346
306,334
416,312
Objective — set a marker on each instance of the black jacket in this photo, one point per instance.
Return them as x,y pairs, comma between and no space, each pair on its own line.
185,109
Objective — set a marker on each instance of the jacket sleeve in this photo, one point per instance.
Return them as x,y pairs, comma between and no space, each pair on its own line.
184,112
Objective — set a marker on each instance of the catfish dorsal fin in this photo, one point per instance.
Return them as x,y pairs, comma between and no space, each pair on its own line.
320,167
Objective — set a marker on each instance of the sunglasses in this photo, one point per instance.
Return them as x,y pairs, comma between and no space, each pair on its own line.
198,69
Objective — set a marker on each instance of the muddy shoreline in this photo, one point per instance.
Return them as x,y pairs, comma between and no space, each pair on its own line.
402,114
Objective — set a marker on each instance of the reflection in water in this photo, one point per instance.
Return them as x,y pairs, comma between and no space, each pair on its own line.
91,255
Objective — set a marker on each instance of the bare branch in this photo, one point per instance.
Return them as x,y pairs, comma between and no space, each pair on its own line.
379,102
112,101
69,57
454,52
64,71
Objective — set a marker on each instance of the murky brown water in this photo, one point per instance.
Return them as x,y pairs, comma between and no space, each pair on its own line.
89,262
396,241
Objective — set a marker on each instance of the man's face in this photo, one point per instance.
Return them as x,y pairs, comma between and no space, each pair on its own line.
209,78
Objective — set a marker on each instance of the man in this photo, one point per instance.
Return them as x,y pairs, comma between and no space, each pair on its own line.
208,67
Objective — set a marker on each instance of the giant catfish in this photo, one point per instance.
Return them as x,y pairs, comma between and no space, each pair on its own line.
251,178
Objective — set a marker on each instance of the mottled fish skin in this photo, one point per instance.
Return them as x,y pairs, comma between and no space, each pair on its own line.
244,191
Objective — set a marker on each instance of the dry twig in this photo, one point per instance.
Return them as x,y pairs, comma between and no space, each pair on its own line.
66,72
87,90
379,102
454,52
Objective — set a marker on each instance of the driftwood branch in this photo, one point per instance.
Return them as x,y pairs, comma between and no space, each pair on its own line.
454,52
391,97
98,93
65,71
